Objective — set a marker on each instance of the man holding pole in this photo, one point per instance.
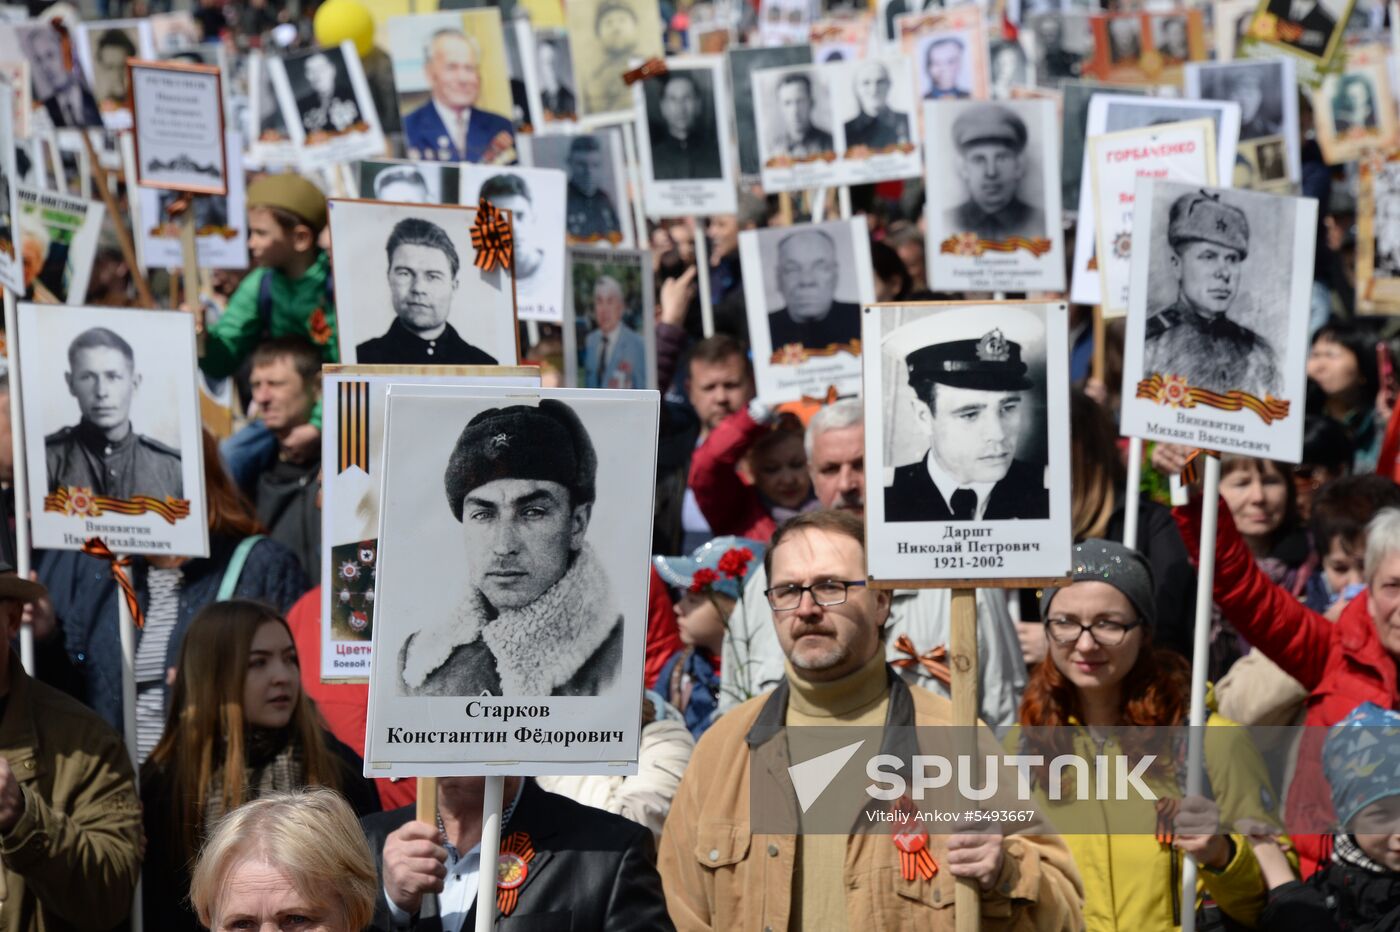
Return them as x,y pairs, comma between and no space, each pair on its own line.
720,874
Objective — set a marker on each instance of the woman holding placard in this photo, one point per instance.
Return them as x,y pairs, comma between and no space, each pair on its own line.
1102,678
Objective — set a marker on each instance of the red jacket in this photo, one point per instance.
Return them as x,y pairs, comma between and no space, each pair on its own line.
730,505
1341,665
343,706
663,634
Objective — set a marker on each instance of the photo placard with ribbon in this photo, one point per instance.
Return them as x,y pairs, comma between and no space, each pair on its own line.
178,122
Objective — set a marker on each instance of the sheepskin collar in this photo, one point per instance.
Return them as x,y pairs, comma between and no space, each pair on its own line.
539,647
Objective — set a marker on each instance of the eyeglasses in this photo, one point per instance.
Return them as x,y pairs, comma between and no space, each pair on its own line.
825,593
1065,632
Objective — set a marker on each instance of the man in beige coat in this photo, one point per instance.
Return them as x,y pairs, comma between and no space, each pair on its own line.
720,874
70,822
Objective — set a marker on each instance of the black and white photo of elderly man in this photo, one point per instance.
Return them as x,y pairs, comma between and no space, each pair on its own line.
877,125
539,617
991,162
808,270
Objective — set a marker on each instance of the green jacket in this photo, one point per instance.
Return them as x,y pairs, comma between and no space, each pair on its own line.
302,307
73,858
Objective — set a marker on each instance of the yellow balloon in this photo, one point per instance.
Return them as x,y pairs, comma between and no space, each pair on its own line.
338,20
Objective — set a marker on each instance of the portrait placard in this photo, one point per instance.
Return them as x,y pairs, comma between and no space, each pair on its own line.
401,181
1061,46
178,112
1231,19
1147,48
528,662
1354,112
104,48
609,328
1269,157
15,71
1308,30
58,232
220,221
1218,323
596,207
326,106
842,37
1112,112
453,83
1378,235
111,407
948,52
57,82
536,201
549,79
1075,121
793,123
1182,152
803,288
269,140
352,451
409,292
875,112
607,38
11,265
1009,68
993,196
967,436
743,62
687,159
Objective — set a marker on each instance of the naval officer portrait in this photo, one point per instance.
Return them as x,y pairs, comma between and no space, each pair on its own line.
423,268
1194,337
103,452
972,398
876,126
539,617
990,141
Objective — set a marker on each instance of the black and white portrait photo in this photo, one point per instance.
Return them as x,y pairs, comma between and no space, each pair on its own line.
410,294
1355,111
326,105
535,197
609,338
743,62
1009,66
1061,44
993,180
1124,39
1388,228
112,409
1318,25
966,421
57,82
1257,86
105,49
1219,305
804,286
875,106
408,182
876,124
687,160
1378,236
269,140
1170,37
794,125
512,566
596,210
554,74
607,38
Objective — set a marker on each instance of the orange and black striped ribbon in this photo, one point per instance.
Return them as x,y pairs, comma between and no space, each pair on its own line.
971,244
171,509
1269,409
96,547
354,426
1192,470
919,863
934,661
519,844
492,238
1166,820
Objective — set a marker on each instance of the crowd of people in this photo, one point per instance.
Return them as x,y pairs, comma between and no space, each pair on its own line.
244,804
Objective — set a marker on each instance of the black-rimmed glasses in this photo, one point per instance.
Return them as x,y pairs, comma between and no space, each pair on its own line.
825,593
1065,632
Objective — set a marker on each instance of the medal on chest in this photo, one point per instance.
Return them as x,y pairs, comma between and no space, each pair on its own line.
911,840
512,867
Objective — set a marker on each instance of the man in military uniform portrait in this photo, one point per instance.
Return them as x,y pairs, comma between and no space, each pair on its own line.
103,452
615,26
540,617
1254,86
798,137
423,268
972,399
683,143
990,141
807,275
876,126
591,214
1194,336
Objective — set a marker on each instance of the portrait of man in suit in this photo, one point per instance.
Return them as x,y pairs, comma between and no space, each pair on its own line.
972,398
423,268
56,82
450,127
556,96
614,355
808,269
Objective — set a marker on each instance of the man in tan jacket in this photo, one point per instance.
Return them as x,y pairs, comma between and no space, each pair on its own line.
70,822
720,874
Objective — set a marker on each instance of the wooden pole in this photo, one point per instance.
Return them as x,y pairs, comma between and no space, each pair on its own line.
1132,501
1100,335
425,808
1200,662
189,258
702,277
490,853
138,274
23,556
128,641
962,661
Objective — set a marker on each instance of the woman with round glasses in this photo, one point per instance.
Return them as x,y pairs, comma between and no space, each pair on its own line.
1101,677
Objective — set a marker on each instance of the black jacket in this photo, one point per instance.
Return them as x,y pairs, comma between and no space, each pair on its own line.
591,870
840,325
1338,898
399,346
1021,493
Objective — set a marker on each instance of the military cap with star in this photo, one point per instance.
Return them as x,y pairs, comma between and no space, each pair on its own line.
546,443
607,6
1199,216
989,123
990,364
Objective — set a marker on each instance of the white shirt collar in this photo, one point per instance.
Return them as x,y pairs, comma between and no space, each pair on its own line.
947,485
448,116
